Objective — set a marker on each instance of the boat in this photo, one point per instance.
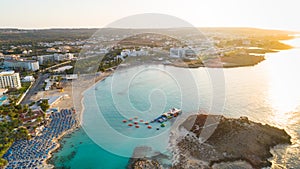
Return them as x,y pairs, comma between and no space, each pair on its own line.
149,127
163,125
130,124
137,126
174,112
124,121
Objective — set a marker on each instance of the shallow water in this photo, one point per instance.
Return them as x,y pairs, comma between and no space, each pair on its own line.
268,92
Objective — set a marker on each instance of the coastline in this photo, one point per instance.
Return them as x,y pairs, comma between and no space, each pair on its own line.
235,60
235,142
80,86
86,82
78,115
46,163
58,146
37,151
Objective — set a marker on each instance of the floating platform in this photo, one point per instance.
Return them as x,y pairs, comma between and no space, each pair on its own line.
135,121
174,112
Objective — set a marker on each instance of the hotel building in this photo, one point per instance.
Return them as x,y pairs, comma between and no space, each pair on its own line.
9,79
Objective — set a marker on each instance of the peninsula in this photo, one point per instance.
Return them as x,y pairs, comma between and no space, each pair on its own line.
235,142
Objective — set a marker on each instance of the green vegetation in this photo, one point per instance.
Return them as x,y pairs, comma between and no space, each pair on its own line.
44,105
25,86
245,41
32,38
97,63
264,44
239,59
16,94
58,78
48,64
11,128
27,73
3,162
17,36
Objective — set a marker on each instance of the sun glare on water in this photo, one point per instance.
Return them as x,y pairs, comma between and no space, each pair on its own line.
284,87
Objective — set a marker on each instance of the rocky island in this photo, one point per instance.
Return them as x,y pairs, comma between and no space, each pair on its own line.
233,143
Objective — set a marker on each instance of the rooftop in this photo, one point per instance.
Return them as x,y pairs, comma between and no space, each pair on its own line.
20,60
61,69
7,73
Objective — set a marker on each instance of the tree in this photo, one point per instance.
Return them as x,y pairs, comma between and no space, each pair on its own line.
24,108
44,105
12,100
3,162
30,113
22,133
32,103
58,78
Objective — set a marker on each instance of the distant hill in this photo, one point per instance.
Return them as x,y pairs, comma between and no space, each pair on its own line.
45,35
21,36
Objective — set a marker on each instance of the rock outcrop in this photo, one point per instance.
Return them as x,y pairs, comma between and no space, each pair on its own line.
232,140
213,141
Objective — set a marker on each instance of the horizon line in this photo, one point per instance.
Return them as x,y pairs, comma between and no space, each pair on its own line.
210,27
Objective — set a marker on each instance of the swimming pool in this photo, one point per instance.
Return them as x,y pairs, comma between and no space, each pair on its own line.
2,99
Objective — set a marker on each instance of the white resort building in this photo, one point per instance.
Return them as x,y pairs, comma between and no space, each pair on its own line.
54,57
183,53
9,79
31,65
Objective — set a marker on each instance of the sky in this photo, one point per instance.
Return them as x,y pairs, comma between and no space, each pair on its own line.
38,14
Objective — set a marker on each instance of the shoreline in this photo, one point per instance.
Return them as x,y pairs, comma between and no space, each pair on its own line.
86,86
98,78
233,142
78,116
58,142
40,148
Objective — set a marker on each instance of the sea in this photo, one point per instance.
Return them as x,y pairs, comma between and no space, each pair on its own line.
268,93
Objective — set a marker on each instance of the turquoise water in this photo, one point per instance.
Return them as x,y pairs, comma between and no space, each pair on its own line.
79,151
2,99
144,92
268,92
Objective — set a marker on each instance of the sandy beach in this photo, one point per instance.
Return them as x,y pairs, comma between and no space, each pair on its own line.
56,140
72,98
36,151
76,89
73,91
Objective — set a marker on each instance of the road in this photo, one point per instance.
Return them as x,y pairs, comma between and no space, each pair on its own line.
57,65
37,86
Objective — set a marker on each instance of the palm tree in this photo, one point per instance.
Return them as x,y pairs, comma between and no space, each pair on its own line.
25,108
12,100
